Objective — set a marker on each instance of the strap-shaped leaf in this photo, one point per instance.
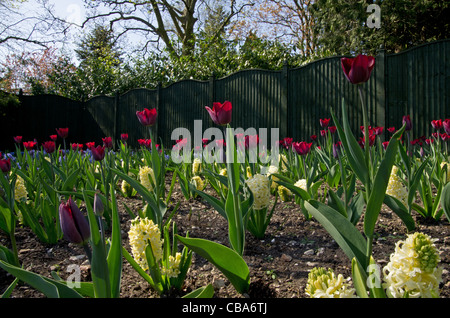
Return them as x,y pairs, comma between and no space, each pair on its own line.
380,184
229,262
48,287
114,258
344,233
445,200
402,212
353,150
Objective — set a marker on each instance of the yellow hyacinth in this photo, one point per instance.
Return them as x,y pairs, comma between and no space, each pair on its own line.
198,183
396,188
144,173
284,162
196,166
173,269
301,184
249,172
20,191
142,233
270,171
443,165
260,187
413,268
284,193
324,283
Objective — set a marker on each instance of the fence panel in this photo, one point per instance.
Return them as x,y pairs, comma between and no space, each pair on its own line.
256,98
127,105
417,83
180,104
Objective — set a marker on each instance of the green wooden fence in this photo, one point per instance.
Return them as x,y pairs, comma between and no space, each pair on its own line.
414,82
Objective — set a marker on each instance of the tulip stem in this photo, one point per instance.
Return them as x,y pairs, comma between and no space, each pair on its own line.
88,252
366,138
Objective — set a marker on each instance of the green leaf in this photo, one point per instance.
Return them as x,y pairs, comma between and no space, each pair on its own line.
218,205
202,292
353,150
359,277
236,229
380,184
48,287
445,200
402,212
99,265
342,230
229,262
114,258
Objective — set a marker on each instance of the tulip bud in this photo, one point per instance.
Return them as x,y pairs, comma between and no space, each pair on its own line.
220,113
98,206
358,69
147,117
74,225
98,153
5,165
62,132
446,125
407,120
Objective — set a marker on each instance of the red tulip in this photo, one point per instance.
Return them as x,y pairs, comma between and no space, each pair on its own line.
124,137
332,129
324,122
29,145
221,113
313,137
76,147
286,143
302,148
63,132
107,142
98,153
53,137
362,141
446,125
378,130
49,146
391,129
147,117
89,145
358,69
145,142
5,165
18,139
437,124
74,225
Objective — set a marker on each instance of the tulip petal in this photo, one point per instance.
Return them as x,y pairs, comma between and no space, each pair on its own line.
212,114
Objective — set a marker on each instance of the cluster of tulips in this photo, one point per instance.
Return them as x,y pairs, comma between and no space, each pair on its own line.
338,179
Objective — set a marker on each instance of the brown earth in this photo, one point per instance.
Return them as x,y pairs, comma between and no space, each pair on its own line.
279,264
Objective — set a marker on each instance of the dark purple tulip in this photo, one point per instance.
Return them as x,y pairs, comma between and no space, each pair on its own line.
98,153
74,225
407,120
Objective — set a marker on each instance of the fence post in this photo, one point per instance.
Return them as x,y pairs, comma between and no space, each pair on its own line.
116,106
380,89
158,107
212,91
285,129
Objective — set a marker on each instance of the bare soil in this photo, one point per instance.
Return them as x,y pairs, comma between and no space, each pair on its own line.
279,264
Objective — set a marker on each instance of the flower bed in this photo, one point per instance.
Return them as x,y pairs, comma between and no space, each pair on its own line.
328,217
